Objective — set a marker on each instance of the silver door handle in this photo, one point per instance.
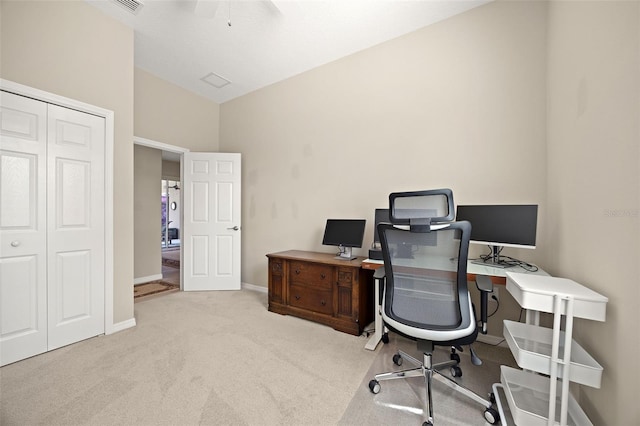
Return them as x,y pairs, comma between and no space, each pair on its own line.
15,243
235,228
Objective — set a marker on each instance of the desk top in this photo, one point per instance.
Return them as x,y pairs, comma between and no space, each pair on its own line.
312,256
498,275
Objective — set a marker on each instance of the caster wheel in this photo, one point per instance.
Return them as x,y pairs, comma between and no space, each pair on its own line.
374,386
397,359
385,338
491,415
427,424
456,371
455,357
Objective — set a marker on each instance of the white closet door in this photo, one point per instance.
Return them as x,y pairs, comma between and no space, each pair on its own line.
75,226
23,234
52,242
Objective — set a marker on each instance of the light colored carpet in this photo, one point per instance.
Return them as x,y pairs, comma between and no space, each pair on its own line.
193,358
400,400
221,358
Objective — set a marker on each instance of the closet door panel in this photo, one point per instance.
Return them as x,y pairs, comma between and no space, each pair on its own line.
73,285
76,226
23,273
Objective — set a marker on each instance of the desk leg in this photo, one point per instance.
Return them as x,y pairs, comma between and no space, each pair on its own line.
377,334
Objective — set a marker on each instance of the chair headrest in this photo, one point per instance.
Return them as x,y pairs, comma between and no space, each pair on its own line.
420,209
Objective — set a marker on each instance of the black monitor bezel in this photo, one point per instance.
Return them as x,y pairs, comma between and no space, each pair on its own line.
338,241
515,215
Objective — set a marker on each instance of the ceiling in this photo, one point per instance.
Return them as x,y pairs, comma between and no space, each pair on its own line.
243,45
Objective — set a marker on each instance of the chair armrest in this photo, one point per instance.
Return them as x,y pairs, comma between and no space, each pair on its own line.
485,286
379,275
483,282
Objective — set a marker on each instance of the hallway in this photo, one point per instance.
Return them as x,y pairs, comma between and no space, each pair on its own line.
171,274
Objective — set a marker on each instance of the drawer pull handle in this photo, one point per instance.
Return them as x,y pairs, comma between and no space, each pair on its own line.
297,297
298,271
322,302
323,276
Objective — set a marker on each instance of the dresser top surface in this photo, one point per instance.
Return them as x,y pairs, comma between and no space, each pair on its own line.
312,256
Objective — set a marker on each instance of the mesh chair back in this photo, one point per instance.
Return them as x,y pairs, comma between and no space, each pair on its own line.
426,279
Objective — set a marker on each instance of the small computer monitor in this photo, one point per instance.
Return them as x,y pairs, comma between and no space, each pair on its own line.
501,225
344,233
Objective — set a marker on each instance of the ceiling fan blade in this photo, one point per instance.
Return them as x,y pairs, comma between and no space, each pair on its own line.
273,7
206,8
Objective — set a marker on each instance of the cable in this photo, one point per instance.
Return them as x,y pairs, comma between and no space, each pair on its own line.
497,306
492,344
510,261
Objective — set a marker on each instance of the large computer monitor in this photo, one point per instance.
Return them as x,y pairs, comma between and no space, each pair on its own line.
501,226
344,233
381,216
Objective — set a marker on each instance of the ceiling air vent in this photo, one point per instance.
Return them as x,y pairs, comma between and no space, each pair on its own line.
132,6
215,80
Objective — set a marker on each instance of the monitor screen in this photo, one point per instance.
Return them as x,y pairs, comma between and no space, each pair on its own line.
344,232
381,216
501,225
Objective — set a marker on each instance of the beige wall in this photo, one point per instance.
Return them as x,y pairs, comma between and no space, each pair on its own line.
169,114
72,50
147,208
594,185
170,170
460,104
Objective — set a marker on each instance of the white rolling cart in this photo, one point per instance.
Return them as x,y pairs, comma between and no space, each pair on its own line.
544,399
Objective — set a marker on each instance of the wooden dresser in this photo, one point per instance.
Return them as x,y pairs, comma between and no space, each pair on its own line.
321,288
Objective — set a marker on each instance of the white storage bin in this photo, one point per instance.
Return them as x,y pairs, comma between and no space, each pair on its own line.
537,292
531,348
528,397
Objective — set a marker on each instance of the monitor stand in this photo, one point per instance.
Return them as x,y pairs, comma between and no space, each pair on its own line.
345,254
494,259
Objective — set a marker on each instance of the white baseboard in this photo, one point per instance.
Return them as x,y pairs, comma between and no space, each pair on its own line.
492,340
148,279
121,326
253,287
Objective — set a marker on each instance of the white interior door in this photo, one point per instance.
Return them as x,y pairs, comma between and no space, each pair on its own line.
75,226
211,221
52,227
23,228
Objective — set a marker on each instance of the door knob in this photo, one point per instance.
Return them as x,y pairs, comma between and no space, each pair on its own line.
15,243
235,228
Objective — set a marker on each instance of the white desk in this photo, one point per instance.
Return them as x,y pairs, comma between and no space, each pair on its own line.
498,276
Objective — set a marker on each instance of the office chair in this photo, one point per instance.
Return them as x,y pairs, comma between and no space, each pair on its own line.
423,288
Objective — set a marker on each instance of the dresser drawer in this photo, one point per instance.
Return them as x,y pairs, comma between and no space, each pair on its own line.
314,275
312,299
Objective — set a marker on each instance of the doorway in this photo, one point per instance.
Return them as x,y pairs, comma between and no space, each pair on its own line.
170,213
158,216
171,230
